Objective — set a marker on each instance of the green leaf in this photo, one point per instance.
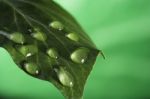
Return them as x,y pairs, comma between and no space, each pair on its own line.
47,43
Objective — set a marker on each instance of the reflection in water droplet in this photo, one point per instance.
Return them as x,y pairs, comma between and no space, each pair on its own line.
73,36
39,35
52,52
80,55
56,25
29,54
31,68
28,50
64,77
82,60
17,37
30,30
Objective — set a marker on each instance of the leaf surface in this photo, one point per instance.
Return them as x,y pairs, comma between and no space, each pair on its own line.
47,43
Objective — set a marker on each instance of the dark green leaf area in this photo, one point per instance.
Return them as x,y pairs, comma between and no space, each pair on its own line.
47,43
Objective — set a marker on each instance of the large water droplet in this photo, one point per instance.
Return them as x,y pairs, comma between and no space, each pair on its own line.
39,35
80,55
28,50
31,68
64,77
73,36
56,25
52,52
17,37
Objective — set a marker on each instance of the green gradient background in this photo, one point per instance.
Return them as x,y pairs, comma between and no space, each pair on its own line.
121,28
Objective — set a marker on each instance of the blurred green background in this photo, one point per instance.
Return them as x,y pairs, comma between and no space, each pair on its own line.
121,28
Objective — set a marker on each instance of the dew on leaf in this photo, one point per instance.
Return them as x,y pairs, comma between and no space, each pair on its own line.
30,32
73,36
31,68
52,52
28,50
80,55
17,37
64,77
56,25
39,35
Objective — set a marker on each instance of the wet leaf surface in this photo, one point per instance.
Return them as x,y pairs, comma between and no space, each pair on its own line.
47,43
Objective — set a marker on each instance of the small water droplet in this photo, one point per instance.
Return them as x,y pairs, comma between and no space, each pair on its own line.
31,68
30,30
64,77
52,52
28,50
57,25
17,37
73,36
39,35
80,55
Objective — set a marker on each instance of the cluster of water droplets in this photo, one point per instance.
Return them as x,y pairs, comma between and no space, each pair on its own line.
78,56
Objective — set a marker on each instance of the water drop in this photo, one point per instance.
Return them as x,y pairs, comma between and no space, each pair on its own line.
30,30
31,68
52,52
57,25
17,37
64,77
80,55
39,35
28,50
29,54
73,36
